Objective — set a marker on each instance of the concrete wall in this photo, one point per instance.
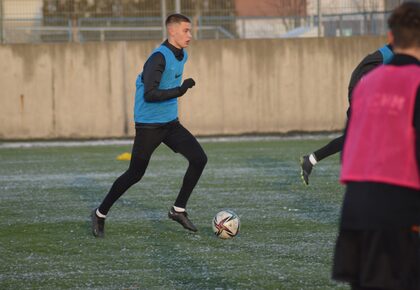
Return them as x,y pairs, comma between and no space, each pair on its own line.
243,86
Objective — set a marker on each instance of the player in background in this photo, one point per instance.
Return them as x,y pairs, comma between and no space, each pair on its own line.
158,88
371,61
378,245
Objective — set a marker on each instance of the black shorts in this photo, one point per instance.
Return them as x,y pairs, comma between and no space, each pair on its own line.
384,259
172,134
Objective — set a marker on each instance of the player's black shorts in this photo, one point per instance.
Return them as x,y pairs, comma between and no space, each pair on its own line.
383,259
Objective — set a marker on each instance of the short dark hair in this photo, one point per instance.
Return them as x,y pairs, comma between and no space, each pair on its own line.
404,24
176,18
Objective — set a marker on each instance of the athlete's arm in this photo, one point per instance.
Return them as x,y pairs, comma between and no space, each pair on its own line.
370,62
152,75
367,64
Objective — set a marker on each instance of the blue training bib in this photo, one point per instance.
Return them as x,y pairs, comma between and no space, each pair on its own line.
165,111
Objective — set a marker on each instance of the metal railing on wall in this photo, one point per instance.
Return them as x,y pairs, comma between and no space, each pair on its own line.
223,22
99,29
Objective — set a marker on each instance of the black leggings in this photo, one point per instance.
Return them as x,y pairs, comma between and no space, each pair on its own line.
176,137
331,148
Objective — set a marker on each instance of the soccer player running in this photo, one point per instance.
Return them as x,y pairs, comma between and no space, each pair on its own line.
371,61
158,88
378,246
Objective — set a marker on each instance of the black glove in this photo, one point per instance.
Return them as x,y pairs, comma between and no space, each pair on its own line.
186,84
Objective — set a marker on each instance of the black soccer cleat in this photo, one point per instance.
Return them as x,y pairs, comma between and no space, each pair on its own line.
305,168
182,218
98,225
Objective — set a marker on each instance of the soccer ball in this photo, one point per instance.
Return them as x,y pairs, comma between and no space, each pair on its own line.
226,224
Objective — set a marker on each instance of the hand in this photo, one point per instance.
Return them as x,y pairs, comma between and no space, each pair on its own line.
186,84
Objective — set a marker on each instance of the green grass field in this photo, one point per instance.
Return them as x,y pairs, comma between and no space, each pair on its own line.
287,233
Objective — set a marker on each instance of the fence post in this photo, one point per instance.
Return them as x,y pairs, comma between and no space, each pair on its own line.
177,6
319,18
1,22
163,14
196,19
243,28
340,23
75,29
70,30
200,24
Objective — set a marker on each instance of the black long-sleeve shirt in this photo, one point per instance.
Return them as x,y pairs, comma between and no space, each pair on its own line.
374,205
152,75
367,64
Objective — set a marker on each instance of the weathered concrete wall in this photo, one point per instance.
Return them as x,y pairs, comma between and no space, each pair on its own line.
243,86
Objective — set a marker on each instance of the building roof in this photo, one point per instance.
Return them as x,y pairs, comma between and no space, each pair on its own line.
271,7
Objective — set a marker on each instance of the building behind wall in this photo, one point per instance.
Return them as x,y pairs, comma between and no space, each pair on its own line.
18,19
301,18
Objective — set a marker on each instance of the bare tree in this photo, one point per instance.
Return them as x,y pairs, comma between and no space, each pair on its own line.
289,9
